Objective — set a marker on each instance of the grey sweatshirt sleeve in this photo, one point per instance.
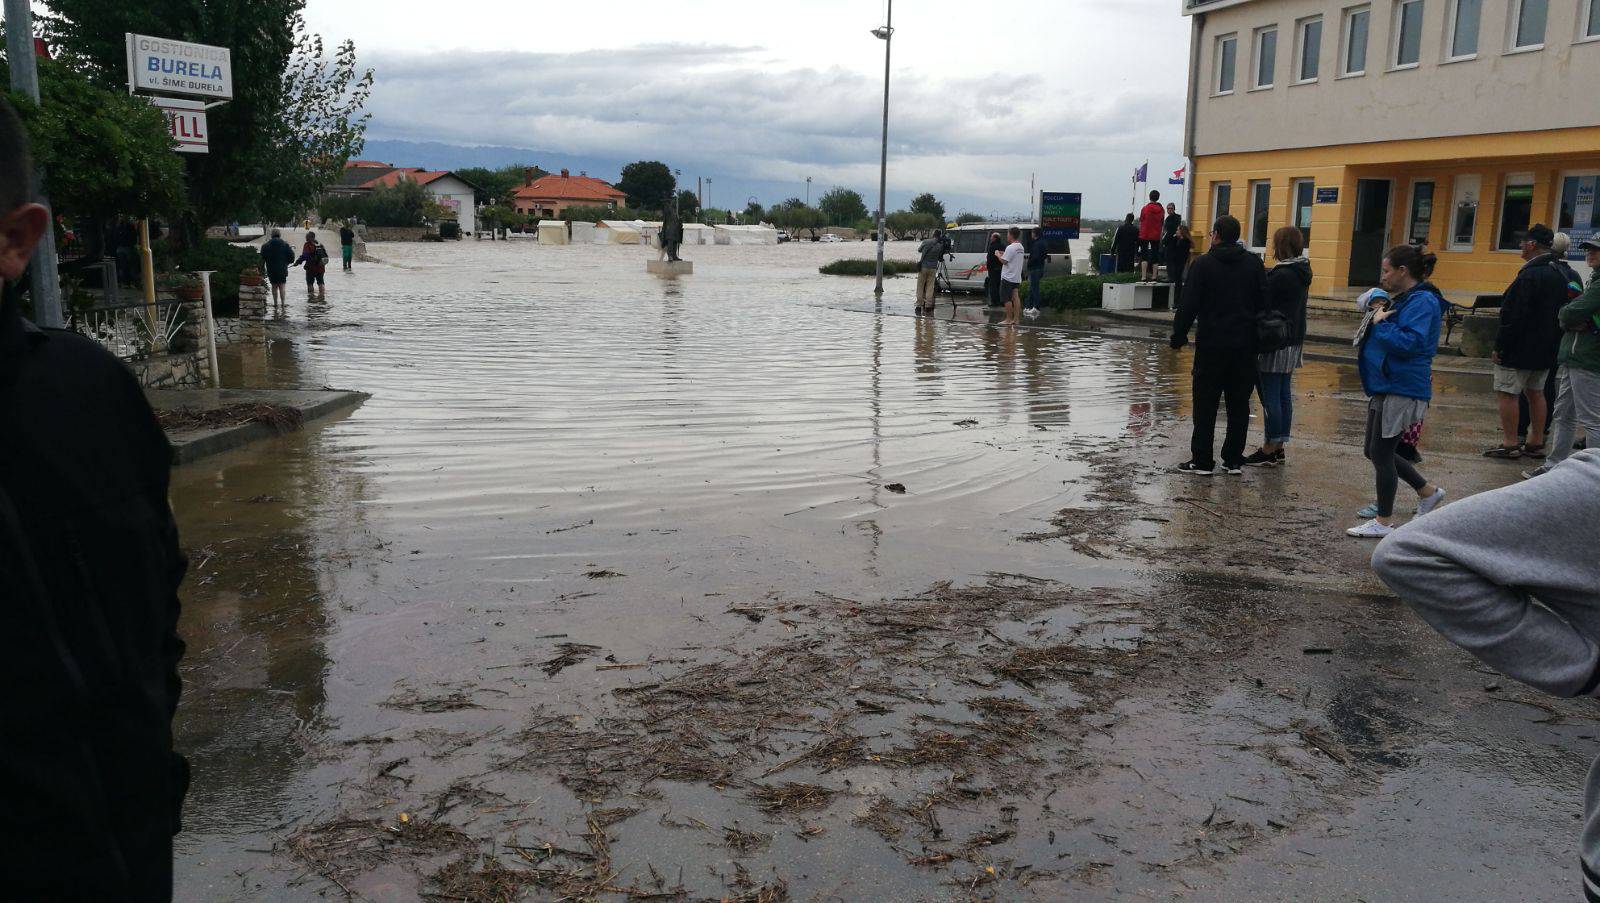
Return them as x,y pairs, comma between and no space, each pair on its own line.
1512,576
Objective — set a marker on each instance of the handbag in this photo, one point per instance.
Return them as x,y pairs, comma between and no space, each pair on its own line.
1272,332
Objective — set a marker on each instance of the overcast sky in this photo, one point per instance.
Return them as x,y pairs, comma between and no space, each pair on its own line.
758,95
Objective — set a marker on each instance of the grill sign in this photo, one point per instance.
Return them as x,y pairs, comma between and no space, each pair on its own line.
186,119
160,66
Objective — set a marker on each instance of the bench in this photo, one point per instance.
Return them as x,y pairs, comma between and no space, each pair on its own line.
1457,313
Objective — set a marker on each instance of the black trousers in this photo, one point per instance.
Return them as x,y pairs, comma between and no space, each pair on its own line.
1227,377
991,287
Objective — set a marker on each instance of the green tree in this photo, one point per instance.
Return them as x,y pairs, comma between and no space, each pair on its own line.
688,205
497,184
404,204
595,213
797,217
928,204
295,116
968,218
648,184
105,153
842,206
753,213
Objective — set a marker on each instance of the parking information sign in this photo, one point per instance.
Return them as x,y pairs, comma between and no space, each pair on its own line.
1060,213
161,66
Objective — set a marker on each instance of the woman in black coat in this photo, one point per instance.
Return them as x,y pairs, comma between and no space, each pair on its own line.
991,283
1179,249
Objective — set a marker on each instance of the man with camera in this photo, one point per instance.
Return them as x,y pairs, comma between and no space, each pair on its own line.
931,252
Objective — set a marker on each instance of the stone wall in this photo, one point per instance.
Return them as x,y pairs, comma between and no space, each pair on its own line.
396,233
191,370
252,323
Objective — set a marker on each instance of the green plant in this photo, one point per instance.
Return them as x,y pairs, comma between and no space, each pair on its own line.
1078,292
405,204
868,267
227,260
1100,245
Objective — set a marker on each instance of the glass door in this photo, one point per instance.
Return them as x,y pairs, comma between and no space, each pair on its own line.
1578,214
1370,236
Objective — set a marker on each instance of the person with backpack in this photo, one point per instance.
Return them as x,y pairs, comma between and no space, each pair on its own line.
1288,285
1578,373
1225,296
1527,344
315,259
1398,345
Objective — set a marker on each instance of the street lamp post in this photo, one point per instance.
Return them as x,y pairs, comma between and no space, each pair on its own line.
808,191
46,287
886,35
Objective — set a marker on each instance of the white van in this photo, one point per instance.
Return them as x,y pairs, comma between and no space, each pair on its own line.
969,247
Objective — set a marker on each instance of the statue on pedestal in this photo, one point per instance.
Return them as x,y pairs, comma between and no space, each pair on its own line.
671,234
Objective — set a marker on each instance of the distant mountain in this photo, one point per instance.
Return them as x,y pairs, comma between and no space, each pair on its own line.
725,190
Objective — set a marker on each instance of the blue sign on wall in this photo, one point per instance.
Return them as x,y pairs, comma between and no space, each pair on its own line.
1327,195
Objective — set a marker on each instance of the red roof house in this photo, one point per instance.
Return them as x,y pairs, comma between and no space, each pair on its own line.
548,196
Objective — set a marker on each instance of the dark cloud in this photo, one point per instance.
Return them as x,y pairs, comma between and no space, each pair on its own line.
736,109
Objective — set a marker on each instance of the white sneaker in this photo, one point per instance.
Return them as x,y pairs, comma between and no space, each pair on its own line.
1431,502
1539,471
1031,313
1370,530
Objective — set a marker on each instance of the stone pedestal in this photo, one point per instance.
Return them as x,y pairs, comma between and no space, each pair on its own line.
669,267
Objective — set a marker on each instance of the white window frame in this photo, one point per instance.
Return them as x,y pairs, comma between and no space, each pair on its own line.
1216,191
1512,26
1256,40
1513,180
1216,66
1346,33
1585,15
1450,55
1456,185
1395,35
1300,49
1250,224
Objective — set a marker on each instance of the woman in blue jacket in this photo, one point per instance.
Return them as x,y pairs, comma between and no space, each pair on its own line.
1396,366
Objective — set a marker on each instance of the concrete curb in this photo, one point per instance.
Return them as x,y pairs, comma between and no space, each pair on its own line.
189,446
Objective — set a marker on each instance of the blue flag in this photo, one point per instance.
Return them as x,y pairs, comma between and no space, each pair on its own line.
1142,173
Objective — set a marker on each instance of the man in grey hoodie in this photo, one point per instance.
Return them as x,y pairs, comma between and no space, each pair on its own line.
1512,577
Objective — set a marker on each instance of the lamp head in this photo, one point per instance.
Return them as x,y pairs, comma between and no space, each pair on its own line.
882,33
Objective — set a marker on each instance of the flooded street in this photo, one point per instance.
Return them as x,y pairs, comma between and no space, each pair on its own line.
740,586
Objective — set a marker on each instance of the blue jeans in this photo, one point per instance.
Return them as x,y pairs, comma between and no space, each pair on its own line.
1277,402
1033,288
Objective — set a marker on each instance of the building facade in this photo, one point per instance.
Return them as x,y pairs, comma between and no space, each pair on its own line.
449,190
548,196
1371,123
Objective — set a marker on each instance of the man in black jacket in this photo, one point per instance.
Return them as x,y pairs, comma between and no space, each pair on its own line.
1525,348
89,574
1225,293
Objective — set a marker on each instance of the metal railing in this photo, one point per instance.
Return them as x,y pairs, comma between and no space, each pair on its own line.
133,330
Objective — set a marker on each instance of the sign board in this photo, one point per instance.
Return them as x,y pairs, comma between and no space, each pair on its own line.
1327,195
161,66
186,119
1060,213
1583,214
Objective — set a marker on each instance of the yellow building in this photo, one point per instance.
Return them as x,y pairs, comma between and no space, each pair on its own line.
1370,124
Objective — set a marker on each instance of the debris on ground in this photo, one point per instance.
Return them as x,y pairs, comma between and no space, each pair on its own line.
282,418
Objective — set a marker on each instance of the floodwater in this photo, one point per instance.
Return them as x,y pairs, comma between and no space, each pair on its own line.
671,473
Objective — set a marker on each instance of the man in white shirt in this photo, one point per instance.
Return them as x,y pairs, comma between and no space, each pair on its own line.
1015,257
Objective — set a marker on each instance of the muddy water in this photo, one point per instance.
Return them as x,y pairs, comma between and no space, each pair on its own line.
560,448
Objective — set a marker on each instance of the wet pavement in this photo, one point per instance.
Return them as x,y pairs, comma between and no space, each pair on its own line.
745,586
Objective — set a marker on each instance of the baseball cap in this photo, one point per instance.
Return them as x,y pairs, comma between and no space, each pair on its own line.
1591,243
1541,235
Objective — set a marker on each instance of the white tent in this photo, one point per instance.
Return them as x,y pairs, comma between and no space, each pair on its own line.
552,232
747,235
699,234
649,232
583,233
617,232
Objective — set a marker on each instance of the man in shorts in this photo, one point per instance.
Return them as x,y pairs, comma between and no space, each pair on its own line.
1527,344
1151,220
1015,257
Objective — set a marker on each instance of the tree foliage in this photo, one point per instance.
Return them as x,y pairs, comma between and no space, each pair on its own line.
753,213
404,204
688,205
104,152
797,216
928,204
907,223
968,218
295,116
498,184
648,184
595,213
842,206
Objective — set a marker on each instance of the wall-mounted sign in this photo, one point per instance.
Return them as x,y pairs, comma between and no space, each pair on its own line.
1060,213
161,66
186,119
1327,195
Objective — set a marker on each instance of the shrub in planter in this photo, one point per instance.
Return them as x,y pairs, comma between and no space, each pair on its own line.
251,276
868,267
1078,292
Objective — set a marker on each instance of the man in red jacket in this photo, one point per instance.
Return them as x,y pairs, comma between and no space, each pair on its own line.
1150,219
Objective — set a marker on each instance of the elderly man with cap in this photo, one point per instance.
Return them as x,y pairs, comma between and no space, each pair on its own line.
1578,379
1528,341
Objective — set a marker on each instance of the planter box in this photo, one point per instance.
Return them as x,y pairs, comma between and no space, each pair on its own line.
1135,295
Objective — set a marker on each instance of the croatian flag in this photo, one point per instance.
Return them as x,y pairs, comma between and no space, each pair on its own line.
1142,174
1177,176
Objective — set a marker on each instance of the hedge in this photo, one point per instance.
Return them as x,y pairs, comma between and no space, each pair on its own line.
868,267
1078,292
